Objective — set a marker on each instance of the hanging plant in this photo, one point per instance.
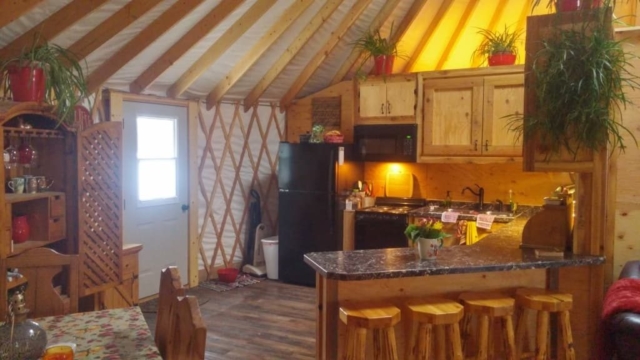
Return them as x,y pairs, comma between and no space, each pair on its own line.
580,81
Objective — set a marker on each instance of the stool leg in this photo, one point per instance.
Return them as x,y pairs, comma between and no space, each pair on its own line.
390,349
491,347
466,333
521,330
349,349
508,337
441,348
483,337
541,335
567,337
423,345
454,340
357,343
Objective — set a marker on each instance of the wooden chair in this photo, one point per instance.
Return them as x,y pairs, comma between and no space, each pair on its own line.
170,289
46,296
189,335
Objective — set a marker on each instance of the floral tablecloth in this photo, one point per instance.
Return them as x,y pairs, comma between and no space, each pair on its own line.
106,334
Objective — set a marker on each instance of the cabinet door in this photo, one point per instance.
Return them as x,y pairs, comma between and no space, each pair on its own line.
452,117
503,98
373,99
401,97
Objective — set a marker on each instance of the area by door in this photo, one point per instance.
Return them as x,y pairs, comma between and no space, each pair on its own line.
156,191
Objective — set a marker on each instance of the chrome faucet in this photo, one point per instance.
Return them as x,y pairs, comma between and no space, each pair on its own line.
479,194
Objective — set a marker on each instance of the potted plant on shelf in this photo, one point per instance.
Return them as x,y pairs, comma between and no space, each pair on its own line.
382,50
46,72
580,77
428,235
499,47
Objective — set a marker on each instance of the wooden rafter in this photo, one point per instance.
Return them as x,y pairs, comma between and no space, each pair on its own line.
285,20
199,31
444,7
455,37
220,47
522,20
322,54
355,55
145,38
110,27
51,26
493,26
12,9
293,49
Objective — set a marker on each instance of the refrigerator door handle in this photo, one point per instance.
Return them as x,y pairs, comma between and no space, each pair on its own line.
331,190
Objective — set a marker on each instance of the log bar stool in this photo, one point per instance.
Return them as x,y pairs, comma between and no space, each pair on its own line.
436,312
488,307
360,317
545,302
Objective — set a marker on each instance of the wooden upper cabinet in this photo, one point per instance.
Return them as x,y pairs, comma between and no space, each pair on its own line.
452,117
503,98
389,100
472,115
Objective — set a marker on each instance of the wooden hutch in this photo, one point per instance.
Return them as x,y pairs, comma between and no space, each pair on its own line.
80,213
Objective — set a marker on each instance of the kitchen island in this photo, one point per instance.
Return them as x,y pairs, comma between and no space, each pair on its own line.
394,275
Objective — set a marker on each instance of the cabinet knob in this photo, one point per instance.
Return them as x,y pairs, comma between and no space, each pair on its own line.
382,108
388,107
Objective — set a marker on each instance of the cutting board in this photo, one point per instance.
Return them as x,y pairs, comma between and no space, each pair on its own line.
399,185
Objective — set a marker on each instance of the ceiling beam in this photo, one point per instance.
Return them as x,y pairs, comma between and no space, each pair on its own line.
293,49
493,26
356,54
13,9
53,25
233,33
322,54
140,42
291,14
110,27
455,37
197,33
522,20
433,25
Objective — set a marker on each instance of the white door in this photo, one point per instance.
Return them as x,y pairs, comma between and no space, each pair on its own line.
156,188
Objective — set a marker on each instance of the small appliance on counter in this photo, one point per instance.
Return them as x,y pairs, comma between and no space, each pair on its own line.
382,226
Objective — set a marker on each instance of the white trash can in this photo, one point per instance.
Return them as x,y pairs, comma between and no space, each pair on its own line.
270,250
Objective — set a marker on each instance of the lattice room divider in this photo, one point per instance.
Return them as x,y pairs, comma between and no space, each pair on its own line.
238,152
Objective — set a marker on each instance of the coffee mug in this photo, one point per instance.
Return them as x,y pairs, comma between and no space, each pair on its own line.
30,185
16,185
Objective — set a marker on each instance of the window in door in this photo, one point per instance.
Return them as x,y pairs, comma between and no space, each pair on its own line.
157,157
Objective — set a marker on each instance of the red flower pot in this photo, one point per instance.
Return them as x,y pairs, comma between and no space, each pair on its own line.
20,229
26,83
567,5
388,64
379,64
502,59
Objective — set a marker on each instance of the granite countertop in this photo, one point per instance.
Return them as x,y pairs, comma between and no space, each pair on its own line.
499,251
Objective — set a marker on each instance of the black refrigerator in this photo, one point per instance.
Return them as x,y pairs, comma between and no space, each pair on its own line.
311,184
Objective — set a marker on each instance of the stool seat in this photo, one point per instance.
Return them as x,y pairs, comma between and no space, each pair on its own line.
544,302
360,317
439,313
489,306
436,311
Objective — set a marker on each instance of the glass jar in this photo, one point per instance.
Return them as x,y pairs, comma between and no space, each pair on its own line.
21,338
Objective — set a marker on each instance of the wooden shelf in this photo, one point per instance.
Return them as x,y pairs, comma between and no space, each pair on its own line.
30,244
40,133
14,198
16,283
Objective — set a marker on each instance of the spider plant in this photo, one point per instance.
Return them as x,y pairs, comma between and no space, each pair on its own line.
581,75
65,84
497,42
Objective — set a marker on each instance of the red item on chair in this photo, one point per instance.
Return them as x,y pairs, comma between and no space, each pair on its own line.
622,296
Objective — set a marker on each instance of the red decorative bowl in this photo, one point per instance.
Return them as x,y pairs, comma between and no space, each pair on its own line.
228,275
334,139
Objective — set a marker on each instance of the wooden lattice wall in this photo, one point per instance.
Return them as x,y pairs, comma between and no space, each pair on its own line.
238,152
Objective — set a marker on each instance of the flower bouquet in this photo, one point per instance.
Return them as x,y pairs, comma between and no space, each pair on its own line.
428,235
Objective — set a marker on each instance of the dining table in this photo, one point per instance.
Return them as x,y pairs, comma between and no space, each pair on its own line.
112,334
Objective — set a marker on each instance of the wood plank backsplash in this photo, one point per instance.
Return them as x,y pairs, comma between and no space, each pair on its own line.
432,181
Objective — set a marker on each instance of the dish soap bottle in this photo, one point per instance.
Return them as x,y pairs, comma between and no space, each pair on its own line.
447,200
512,204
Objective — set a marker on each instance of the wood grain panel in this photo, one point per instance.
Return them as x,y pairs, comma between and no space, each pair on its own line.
432,181
626,240
12,10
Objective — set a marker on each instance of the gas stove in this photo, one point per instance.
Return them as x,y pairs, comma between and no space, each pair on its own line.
390,205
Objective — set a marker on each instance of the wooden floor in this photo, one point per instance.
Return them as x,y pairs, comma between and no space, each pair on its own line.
267,320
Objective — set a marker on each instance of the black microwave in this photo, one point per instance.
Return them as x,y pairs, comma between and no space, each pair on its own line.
386,143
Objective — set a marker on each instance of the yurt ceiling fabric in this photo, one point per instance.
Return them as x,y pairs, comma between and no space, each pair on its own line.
249,50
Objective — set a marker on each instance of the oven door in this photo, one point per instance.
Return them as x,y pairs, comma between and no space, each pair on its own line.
380,231
392,143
